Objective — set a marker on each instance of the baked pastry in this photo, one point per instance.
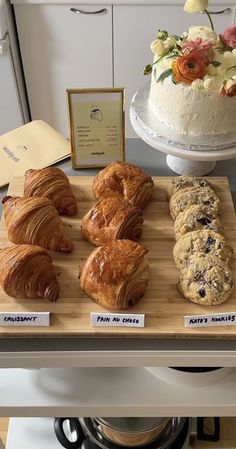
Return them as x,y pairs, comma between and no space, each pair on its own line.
112,218
52,183
115,274
27,272
206,281
189,196
126,180
182,182
201,243
197,217
35,221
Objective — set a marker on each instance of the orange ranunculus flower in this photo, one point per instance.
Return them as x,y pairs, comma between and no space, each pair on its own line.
189,67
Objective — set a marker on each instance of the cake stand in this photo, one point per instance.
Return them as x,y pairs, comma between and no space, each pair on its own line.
186,155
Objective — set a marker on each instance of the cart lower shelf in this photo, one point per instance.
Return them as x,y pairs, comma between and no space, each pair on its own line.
38,433
109,392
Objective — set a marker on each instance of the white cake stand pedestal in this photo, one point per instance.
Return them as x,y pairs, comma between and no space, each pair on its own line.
186,167
196,157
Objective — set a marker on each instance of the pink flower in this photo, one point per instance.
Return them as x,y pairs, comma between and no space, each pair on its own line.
228,36
228,88
204,48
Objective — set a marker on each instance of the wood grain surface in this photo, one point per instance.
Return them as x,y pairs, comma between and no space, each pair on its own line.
162,304
227,435
3,430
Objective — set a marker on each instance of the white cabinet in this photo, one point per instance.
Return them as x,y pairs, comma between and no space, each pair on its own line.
135,27
62,49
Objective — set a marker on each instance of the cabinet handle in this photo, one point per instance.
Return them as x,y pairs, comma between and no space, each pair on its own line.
80,11
223,11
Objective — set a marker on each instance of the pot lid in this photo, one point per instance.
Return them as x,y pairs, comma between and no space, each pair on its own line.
132,424
167,439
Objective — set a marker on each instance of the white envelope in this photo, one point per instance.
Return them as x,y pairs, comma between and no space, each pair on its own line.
35,145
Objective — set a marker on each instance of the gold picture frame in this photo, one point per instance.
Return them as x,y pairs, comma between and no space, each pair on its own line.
97,126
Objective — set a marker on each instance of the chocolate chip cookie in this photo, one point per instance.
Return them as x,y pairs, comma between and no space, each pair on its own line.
183,182
206,281
201,243
197,217
189,196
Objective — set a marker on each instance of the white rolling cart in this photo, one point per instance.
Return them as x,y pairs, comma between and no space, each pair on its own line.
105,377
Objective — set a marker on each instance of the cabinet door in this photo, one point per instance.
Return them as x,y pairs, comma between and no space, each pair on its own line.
135,27
62,49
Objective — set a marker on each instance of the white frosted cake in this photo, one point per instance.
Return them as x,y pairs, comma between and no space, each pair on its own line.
193,81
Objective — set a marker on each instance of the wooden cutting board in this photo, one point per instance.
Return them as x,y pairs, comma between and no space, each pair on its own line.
162,304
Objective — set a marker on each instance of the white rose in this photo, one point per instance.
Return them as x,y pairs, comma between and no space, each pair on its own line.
229,59
161,48
195,5
157,47
211,70
205,33
215,71
170,43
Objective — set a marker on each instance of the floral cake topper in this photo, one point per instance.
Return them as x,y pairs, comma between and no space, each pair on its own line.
198,55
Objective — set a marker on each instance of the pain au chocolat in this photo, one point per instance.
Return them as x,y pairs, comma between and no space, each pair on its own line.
115,275
126,180
112,218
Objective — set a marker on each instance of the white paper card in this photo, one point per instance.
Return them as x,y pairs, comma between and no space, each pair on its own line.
116,319
25,319
216,319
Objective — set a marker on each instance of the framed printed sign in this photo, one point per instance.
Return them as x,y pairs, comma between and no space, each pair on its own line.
97,126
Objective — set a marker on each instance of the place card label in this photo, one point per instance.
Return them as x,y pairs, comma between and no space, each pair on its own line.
25,319
216,319
116,319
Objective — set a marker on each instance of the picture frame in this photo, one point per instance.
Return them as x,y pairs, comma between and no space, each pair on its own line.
97,126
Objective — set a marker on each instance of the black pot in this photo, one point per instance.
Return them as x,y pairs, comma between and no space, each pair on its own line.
88,437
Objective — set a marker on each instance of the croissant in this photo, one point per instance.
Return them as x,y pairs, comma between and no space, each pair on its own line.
35,221
126,180
112,218
51,183
115,274
27,272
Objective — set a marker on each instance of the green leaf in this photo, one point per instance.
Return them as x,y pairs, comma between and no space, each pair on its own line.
171,56
216,63
220,50
233,67
173,79
177,38
164,75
